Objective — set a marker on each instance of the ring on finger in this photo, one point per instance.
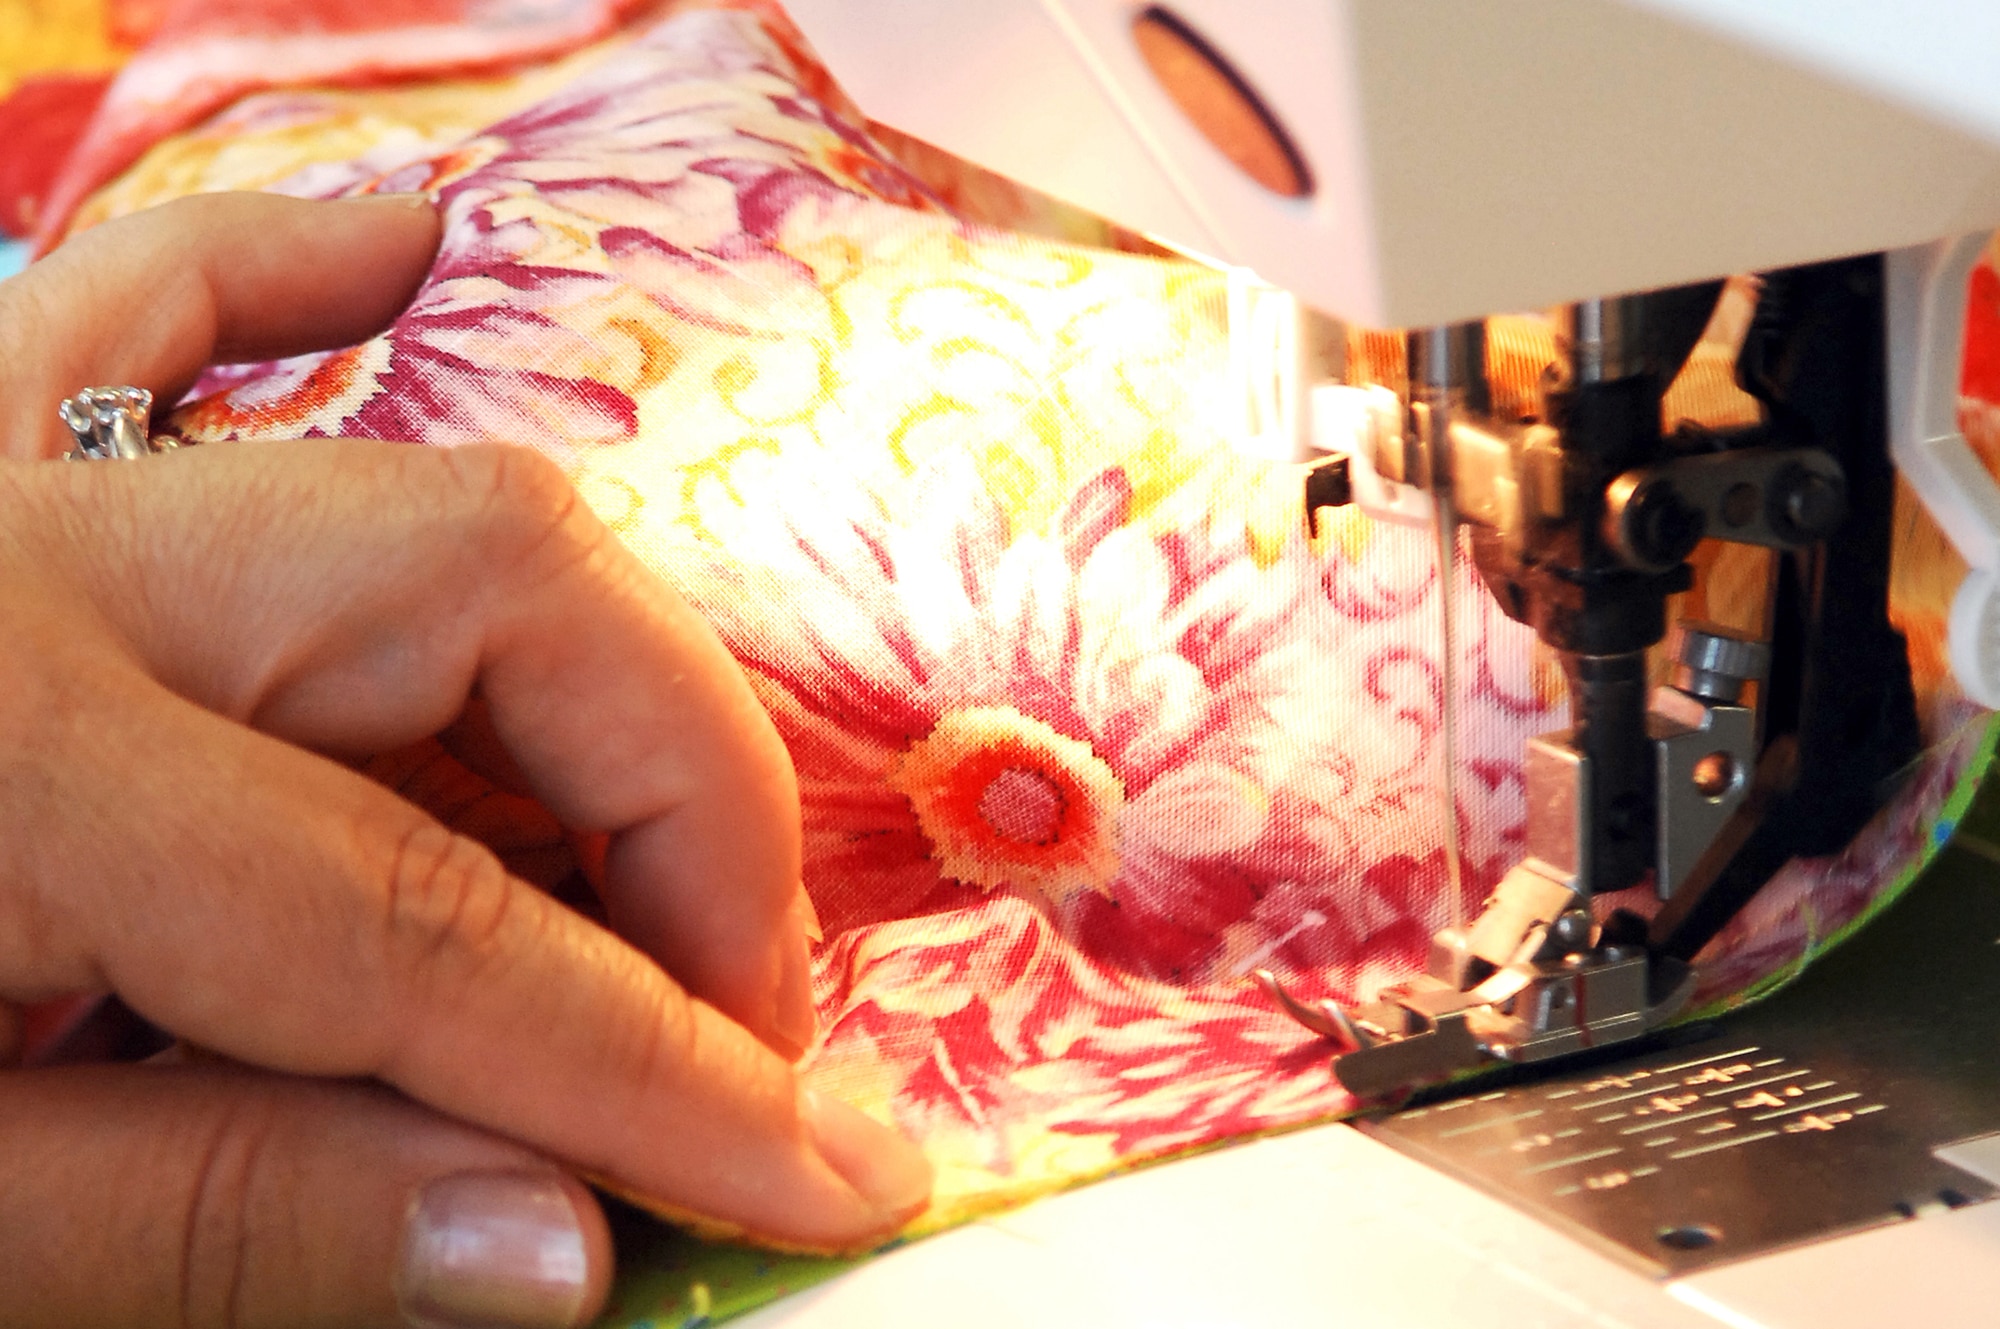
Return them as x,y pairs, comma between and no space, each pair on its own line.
111,424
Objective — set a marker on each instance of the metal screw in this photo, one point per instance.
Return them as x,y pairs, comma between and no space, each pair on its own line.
1740,504
1663,527
1715,775
1807,506
1713,662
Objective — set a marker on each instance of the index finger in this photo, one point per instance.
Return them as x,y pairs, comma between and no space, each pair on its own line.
310,922
154,298
620,705
351,596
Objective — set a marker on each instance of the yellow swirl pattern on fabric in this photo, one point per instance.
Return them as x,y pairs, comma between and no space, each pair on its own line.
55,37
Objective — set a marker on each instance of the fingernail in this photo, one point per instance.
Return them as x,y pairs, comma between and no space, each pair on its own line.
808,916
795,1022
496,1250
887,1170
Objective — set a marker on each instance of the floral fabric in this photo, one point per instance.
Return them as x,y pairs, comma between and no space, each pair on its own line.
56,59
1086,726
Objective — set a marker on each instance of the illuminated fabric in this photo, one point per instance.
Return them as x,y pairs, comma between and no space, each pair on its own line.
1085,726
56,59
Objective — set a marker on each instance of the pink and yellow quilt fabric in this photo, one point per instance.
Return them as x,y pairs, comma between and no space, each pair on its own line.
1086,726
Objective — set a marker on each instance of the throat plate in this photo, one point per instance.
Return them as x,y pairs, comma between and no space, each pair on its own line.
1815,1113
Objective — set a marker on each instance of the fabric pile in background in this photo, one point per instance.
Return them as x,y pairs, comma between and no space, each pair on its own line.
56,59
1086,726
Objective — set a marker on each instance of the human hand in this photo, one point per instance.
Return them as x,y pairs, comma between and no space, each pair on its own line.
419,1053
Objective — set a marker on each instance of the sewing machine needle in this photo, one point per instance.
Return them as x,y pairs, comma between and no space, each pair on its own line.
1444,364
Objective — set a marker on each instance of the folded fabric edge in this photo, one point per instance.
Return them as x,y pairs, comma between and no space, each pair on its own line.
709,1280
1951,812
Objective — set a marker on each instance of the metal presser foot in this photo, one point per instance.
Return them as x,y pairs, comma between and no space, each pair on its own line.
1564,988
1535,976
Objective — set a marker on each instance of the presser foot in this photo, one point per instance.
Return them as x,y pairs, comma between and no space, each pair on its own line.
1568,989
1425,1032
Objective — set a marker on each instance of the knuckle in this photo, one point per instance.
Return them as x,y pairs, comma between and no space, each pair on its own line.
221,1221
447,905
57,717
661,1036
650,1044
193,227
523,510
191,216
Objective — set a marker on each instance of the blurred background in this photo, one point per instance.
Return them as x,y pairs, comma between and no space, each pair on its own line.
56,59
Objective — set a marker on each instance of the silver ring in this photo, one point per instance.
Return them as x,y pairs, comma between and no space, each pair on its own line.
111,424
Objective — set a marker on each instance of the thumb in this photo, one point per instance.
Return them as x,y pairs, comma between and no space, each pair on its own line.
215,1195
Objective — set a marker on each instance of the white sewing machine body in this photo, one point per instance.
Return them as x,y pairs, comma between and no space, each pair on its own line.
1329,1227
1467,157
1423,163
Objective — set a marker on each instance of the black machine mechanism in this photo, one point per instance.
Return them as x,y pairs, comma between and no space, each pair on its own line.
1758,749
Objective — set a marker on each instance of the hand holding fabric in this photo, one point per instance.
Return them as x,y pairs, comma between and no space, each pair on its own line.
419,1047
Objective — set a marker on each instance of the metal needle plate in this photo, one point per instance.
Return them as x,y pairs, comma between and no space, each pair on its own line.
1814,1113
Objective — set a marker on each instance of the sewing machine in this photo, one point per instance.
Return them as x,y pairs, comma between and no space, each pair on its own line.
1423,166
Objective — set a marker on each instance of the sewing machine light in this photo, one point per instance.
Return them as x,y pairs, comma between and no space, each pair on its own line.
1287,400
1282,356
1219,102
1364,423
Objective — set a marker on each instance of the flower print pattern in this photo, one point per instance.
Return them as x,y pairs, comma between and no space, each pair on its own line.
520,332
1152,686
1085,726
200,58
474,357
1005,800
1813,903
